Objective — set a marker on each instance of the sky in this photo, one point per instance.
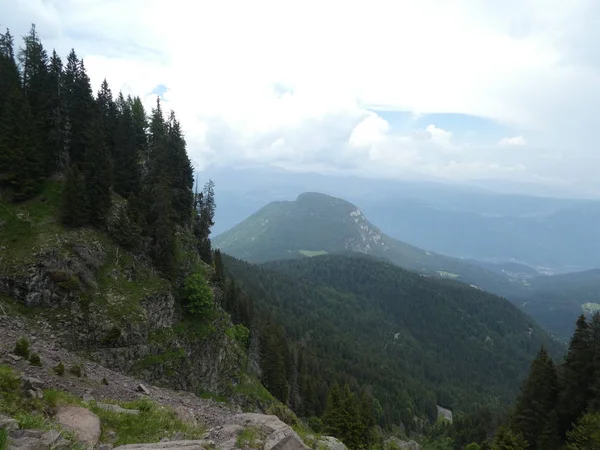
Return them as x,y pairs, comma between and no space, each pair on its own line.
463,90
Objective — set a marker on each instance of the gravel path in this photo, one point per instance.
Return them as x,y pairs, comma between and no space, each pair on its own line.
120,387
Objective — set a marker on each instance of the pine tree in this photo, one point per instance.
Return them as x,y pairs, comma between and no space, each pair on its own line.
586,433
33,61
180,172
506,439
127,169
9,73
576,377
108,113
79,108
537,400
20,163
75,205
205,207
219,277
140,131
97,174
55,118
594,400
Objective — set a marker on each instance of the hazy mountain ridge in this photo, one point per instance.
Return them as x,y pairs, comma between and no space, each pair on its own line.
550,234
319,223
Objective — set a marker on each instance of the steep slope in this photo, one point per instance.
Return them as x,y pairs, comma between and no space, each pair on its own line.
556,301
316,224
415,340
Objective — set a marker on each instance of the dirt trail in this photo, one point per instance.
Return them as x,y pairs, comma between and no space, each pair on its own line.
120,387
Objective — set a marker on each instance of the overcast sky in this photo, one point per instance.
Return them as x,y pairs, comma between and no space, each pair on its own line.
458,90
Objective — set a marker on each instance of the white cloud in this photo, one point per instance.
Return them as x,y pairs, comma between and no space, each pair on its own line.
531,65
516,141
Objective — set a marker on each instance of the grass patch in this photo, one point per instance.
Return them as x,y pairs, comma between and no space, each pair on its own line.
253,392
54,398
152,423
32,420
445,274
3,439
311,253
248,437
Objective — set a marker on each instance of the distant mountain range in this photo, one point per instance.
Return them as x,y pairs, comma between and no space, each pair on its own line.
553,235
318,224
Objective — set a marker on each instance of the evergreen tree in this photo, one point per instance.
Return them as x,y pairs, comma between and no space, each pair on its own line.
594,399
162,233
274,354
79,107
97,175
127,169
9,73
586,433
219,277
33,61
179,171
537,400
140,130
75,205
506,439
55,118
108,113
205,211
576,377
20,161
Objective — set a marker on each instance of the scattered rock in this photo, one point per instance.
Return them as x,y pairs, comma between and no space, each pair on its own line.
82,422
279,436
36,440
331,443
32,383
143,389
88,397
179,436
117,409
8,423
105,447
15,357
186,415
394,442
186,445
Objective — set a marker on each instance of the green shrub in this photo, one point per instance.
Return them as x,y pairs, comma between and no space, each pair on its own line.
76,370
285,414
248,437
28,420
59,369
35,359
198,295
22,348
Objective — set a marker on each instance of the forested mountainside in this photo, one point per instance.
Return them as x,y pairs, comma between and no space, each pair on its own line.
556,301
316,224
558,406
417,342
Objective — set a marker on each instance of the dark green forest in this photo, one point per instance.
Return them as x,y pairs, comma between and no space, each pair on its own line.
558,406
411,341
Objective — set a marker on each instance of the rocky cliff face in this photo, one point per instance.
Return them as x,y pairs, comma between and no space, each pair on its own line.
115,307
